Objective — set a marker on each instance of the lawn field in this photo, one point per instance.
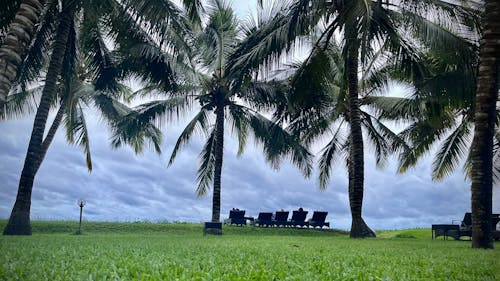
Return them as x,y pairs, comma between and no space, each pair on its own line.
176,251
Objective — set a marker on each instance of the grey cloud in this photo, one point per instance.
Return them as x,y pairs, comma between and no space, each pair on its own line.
125,186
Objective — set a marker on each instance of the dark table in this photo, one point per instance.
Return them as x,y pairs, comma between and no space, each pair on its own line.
445,230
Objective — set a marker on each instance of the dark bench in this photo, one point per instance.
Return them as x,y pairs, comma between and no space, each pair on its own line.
281,218
237,217
212,228
298,218
464,229
264,219
466,226
318,220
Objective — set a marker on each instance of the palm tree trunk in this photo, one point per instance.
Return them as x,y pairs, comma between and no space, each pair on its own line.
16,43
482,144
50,135
359,229
19,220
219,153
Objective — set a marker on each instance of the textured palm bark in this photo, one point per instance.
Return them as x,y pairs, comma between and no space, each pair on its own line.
19,220
359,229
16,43
219,153
482,144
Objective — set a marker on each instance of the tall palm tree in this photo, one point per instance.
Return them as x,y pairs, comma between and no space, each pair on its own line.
220,94
366,27
19,219
19,19
318,108
484,130
58,35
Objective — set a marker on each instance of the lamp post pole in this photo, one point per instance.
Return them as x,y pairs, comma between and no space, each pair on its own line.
81,203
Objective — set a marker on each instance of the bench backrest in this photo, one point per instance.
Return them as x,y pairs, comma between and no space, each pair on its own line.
236,215
467,221
299,216
265,216
319,216
282,215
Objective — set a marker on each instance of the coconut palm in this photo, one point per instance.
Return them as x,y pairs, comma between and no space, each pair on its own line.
318,108
220,95
18,22
484,130
367,27
75,30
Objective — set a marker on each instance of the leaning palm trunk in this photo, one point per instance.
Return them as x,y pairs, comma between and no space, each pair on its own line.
482,144
50,135
16,43
19,220
359,229
219,153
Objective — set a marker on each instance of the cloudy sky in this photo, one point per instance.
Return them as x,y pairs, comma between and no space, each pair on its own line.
128,187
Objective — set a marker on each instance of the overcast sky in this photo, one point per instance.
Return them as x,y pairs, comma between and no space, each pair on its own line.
128,187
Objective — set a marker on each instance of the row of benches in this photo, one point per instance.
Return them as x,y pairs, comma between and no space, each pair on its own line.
279,219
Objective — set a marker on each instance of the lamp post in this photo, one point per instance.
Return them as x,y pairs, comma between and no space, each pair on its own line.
81,204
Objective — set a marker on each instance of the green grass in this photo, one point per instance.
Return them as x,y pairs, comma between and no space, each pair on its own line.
147,251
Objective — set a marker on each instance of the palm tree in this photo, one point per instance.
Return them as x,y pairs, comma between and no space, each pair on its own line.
367,27
484,130
19,19
318,107
220,94
58,34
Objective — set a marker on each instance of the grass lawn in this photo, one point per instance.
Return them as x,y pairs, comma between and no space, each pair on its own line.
147,251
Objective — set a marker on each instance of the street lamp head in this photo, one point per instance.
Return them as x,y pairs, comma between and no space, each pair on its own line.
81,203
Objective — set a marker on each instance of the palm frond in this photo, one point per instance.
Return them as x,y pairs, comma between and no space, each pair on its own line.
159,110
206,167
9,11
329,155
421,135
194,10
217,40
239,126
22,102
156,16
125,127
311,85
265,45
76,130
277,143
200,123
101,62
265,95
382,147
462,14
453,148
136,136
394,108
